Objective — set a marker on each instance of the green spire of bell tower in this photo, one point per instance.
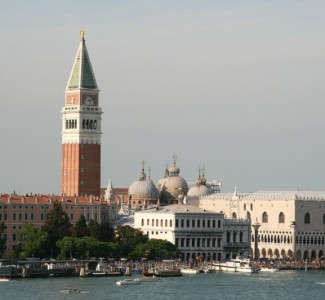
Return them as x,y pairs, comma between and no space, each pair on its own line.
82,75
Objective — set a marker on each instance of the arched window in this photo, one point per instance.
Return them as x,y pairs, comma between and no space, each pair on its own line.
248,215
265,217
234,216
324,219
307,218
244,206
170,223
142,222
281,217
251,206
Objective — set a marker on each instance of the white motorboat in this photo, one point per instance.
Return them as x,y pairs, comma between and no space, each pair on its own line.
4,279
244,265
128,282
190,271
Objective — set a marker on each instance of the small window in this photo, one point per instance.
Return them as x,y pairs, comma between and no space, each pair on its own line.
265,218
281,217
307,218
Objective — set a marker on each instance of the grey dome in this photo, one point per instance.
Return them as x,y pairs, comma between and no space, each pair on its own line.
143,189
199,191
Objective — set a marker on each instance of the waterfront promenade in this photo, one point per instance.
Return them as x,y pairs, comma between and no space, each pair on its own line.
101,267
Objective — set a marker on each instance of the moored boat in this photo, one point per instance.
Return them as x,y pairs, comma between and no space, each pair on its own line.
190,271
163,272
244,265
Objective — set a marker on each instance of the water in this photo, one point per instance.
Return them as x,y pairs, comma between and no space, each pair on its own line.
278,285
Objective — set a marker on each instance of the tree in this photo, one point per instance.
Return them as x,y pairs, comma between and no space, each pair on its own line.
57,226
81,229
154,249
34,242
128,238
67,247
101,231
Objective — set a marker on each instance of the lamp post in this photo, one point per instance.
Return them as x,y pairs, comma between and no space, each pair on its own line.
256,226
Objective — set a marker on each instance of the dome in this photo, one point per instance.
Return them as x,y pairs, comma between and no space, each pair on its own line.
143,189
175,185
172,187
199,191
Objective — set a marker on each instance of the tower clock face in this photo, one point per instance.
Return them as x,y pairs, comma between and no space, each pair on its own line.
89,101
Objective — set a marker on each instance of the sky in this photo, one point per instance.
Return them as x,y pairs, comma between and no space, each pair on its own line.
234,86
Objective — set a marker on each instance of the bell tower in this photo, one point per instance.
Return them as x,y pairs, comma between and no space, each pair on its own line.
81,129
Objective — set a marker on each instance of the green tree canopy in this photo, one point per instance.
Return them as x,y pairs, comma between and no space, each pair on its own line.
154,249
101,231
57,226
86,247
34,242
81,229
128,238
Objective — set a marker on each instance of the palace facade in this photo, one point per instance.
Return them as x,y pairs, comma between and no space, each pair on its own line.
291,223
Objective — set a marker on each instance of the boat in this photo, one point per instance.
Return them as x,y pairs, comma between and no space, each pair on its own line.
162,272
128,282
4,279
190,271
244,265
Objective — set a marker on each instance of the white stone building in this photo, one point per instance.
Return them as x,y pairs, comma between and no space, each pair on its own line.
292,223
196,232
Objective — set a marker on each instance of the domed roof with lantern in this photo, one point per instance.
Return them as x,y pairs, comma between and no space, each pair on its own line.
172,187
200,189
143,189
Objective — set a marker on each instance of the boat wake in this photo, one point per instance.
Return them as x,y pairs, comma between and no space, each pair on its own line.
322,283
73,292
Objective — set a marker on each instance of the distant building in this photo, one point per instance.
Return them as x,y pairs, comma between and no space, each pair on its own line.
16,210
292,223
196,232
81,130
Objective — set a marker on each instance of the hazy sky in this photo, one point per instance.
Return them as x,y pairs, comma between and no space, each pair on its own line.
236,86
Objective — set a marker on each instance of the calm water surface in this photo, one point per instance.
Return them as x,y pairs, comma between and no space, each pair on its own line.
279,285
